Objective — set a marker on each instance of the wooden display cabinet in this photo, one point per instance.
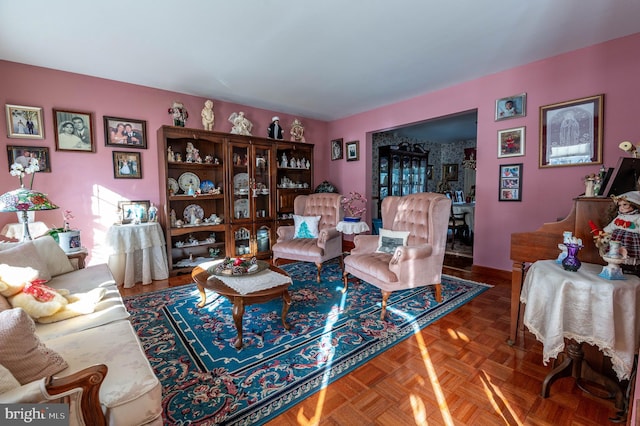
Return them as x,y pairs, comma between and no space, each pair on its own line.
294,177
401,172
193,192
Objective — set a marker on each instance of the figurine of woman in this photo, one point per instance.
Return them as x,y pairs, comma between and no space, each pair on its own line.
208,116
275,130
297,131
241,126
170,156
153,213
625,227
179,114
284,162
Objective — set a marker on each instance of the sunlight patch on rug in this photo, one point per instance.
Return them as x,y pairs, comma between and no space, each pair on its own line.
206,379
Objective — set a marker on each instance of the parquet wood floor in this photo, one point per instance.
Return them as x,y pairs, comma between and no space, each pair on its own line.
457,371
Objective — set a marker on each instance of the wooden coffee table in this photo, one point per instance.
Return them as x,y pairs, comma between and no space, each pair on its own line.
205,281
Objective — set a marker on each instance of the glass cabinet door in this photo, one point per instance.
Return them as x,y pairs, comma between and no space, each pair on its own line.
396,177
260,183
240,207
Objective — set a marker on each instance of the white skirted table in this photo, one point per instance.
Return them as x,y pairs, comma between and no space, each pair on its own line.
137,253
583,308
352,227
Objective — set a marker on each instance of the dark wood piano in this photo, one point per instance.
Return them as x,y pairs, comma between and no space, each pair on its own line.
528,247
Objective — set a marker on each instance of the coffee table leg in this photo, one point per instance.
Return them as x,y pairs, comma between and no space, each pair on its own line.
203,295
238,312
286,302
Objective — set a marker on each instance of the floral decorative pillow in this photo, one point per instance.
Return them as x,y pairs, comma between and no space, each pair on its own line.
389,240
305,226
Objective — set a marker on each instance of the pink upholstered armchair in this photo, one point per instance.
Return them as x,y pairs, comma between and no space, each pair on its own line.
424,217
328,244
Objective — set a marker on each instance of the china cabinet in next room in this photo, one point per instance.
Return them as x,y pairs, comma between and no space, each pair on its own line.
401,172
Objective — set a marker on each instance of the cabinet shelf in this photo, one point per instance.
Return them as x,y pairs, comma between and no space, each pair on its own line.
192,166
189,229
193,198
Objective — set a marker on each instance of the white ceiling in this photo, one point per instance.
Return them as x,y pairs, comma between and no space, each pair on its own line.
327,59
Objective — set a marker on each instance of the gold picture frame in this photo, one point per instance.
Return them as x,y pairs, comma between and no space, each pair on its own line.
24,122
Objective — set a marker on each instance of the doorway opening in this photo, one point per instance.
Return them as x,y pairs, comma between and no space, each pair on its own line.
450,143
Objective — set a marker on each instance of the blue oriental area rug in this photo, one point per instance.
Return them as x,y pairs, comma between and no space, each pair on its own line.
206,380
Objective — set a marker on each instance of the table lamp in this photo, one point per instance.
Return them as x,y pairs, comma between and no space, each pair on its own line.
25,200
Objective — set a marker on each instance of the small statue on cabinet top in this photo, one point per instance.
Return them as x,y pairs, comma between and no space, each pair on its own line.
241,125
297,131
208,116
275,130
179,114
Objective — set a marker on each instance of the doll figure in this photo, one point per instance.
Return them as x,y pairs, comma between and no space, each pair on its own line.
275,130
178,113
625,227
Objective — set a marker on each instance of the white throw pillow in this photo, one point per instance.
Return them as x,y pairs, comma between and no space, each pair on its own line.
53,255
305,226
389,240
26,255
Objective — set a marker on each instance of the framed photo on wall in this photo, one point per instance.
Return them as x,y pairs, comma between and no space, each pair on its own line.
336,149
127,165
511,107
511,142
74,131
24,154
450,172
24,122
571,132
125,132
510,184
353,150
430,171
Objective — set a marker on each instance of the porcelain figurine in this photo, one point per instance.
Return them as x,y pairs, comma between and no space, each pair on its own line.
208,117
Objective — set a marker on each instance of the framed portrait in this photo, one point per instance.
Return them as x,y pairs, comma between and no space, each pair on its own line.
127,165
510,184
24,122
134,211
430,171
125,132
74,131
571,132
24,154
511,107
449,172
353,151
511,142
336,149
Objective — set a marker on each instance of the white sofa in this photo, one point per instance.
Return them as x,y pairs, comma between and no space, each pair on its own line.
130,393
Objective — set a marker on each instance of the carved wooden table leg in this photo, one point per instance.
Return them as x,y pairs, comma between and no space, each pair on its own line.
238,312
286,303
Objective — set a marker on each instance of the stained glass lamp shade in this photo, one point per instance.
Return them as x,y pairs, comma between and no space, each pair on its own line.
25,200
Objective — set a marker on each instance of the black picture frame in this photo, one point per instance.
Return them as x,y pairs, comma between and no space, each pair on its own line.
41,153
133,137
336,149
352,150
74,130
510,182
127,165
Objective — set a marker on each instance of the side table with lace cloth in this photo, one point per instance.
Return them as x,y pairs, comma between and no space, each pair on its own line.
137,253
583,308
350,228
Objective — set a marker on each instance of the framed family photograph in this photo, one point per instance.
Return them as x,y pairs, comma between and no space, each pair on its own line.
511,142
24,122
450,172
23,155
336,149
125,132
511,107
353,150
134,211
74,130
127,165
510,184
571,132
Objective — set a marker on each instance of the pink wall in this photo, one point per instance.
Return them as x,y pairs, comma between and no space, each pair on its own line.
83,182
610,68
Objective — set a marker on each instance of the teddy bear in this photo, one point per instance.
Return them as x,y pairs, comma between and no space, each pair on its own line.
23,289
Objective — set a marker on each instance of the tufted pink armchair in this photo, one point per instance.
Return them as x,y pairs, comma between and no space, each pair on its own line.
419,263
327,246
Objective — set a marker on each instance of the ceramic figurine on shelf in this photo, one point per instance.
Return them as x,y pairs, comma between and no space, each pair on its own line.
297,131
170,156
208,116
275,130
173,218
625,227
241,125
153,213
179,114
284,163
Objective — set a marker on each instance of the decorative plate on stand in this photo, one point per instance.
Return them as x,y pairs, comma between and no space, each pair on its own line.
173,186
195,209
187,179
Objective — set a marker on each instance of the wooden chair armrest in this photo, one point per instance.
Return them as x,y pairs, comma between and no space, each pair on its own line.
89,380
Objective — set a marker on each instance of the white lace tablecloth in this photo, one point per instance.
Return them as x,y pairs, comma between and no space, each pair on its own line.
255,282
585,307
352,227
137,253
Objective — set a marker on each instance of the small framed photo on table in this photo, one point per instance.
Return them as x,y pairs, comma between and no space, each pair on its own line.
510,182
24,122
134,211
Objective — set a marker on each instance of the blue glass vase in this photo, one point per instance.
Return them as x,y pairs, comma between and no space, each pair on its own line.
571,262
